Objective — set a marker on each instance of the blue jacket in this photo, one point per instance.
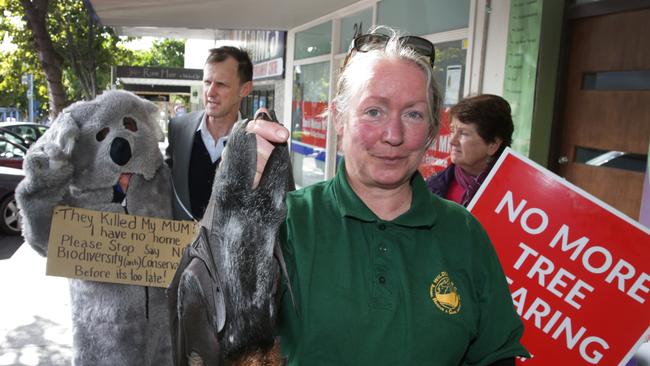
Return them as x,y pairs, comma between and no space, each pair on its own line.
439,183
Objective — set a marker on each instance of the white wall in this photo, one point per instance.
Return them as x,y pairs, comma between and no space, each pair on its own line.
495,50
486,55
196,51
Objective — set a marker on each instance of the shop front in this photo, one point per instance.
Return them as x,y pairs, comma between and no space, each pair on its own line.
315,53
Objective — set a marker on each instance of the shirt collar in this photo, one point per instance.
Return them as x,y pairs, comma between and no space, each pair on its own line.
215,148
204,118
422,212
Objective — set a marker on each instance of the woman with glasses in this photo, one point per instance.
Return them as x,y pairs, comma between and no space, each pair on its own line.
382,271
481,128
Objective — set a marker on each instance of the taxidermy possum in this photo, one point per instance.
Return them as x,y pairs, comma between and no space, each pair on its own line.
223,298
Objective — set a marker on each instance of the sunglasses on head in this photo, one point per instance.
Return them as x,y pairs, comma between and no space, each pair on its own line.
373,41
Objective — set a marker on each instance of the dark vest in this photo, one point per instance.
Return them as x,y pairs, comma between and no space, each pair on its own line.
201,176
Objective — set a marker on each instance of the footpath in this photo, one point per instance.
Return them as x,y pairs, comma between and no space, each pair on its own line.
35,326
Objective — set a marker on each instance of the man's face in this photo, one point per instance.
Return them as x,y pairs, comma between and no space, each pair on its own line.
222,89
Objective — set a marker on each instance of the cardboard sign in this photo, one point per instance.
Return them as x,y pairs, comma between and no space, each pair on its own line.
577,268
116,247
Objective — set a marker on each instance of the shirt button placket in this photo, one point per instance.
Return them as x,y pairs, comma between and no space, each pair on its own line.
383,296
383,250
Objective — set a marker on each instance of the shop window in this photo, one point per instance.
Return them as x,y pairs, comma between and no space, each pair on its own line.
315,41
440,20
449,71
353,26
309,122
423,16
255,100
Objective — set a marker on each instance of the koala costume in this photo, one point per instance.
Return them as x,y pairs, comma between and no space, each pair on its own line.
78,162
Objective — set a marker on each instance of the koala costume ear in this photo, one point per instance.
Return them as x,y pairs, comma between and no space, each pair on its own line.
82,110
66,126
152,111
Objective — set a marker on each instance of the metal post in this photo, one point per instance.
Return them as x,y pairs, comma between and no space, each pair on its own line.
30,97
112,86
29,81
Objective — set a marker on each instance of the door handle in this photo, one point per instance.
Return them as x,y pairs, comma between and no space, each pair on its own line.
563,159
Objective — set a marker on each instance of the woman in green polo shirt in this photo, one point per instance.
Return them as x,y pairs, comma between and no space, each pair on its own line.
382,271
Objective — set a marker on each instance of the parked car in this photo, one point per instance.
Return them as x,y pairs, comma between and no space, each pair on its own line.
9,216
29,131
11,153
6,133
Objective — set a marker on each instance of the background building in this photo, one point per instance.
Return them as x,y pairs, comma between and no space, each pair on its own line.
575,72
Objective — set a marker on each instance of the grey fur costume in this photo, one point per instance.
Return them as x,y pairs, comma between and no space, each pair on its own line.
77,163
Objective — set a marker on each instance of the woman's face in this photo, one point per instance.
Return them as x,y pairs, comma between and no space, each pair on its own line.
468,149
384,137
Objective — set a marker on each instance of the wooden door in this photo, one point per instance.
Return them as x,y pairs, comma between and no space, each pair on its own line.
601,115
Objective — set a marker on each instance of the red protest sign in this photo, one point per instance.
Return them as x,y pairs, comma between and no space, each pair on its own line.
577,268
436,158
314,123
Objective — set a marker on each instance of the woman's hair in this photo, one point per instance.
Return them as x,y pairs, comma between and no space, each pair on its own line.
350,83
492,116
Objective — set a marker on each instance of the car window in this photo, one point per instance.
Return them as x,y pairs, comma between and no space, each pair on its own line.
12,138
14,129
9,150
26,132
31,132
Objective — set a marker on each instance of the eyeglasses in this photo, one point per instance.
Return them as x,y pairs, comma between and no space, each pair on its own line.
373,41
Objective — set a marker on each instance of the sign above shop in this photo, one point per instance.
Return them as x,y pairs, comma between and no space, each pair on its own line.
266,49
158,73
268,69
261,45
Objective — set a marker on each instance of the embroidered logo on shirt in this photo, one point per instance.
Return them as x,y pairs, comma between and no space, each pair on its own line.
444,294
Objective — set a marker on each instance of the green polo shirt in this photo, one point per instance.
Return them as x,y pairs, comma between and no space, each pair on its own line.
423,289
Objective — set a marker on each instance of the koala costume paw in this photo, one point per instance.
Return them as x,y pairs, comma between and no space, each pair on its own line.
78,162
48,168
48,162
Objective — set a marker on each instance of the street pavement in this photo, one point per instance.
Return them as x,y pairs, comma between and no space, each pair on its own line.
34,309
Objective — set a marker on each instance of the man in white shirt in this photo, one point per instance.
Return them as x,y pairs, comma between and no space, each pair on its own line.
197,140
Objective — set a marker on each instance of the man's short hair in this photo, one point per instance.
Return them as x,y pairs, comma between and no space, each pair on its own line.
245,66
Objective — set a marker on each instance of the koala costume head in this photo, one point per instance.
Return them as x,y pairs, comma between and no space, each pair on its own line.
89,148
114,132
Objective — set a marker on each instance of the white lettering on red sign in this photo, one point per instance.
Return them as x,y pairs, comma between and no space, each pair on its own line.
595,259
590,348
